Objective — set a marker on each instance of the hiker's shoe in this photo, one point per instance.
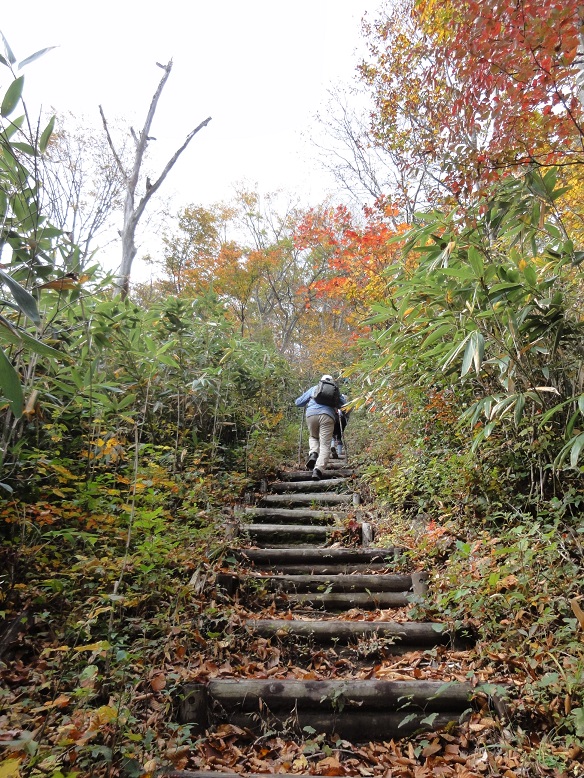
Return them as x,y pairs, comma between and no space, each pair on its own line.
311,461
316,474
334,454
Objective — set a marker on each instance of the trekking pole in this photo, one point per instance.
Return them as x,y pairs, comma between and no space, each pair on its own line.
300,440
344,442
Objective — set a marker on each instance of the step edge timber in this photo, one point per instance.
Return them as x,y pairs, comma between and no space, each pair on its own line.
341,601
314,569
412,632
304,475
282,529
347,554
282,521
309,485
245,694
331,498
352,726
390,582
291,512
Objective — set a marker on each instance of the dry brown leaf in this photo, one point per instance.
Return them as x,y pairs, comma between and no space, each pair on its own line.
330,766
432,749
158,681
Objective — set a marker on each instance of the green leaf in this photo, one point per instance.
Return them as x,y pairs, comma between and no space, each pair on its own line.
8,50
530,275
24,299
26,148
476,261
21,338
46,136
519,406
128,400
572,447
12,96
437,334
577,445
13,127
474,352
407,719
34,56
10,385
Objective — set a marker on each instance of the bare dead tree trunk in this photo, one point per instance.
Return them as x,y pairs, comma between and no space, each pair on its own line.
133,212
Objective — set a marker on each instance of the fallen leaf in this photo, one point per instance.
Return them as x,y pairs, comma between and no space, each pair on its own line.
158,681
9,768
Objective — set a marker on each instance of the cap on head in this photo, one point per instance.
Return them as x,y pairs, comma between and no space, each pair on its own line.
327,377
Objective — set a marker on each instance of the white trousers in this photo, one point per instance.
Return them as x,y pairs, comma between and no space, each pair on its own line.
321,429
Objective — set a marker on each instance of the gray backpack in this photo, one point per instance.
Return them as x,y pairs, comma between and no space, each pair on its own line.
327,393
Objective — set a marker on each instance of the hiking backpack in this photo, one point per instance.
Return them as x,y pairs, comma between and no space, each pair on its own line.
327,393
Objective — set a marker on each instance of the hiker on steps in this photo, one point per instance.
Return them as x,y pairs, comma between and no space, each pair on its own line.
321,402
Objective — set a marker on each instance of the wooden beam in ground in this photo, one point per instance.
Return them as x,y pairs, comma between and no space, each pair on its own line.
332,569
421,634
292,513
307,486
284,515
305,475
330,498
387,704
356,727
343,602
360,582
283,531
277,556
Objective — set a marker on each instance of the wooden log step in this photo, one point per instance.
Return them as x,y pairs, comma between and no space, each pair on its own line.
355,727
333,583
329,498
308,485
294,513
298,515
411,634
314,569
277,556
340,601
283,532
304,475
305,521
352,708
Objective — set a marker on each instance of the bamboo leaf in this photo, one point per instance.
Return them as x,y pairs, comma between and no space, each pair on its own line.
34,56
8,50
24,299
476,261
577,445
519,406
12,96
46,135
10,385
21,338
437,334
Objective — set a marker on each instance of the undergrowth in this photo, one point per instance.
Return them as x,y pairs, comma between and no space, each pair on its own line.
504,564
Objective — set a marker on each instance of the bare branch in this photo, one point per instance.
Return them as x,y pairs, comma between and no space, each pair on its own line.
111,144
169,165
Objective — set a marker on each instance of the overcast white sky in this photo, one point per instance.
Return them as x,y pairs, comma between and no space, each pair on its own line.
259,68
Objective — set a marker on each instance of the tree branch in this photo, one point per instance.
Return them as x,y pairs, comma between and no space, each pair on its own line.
169,165
111,145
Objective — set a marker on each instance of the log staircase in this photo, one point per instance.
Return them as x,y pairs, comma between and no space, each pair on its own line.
325,596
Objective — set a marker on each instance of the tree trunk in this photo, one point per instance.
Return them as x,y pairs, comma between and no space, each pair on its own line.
133,212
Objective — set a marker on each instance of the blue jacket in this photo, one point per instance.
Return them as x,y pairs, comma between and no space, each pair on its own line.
312,407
